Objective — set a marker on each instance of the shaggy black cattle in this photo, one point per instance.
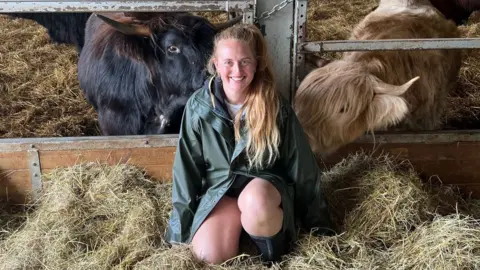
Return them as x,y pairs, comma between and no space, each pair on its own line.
456,10
138,72
63,28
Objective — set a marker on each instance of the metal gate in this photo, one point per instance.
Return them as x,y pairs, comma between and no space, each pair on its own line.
275,17
283,23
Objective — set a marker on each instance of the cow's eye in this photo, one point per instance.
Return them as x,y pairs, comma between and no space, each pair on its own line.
173,49
342,110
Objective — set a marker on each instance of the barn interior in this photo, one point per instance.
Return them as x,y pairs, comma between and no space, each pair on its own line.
388,215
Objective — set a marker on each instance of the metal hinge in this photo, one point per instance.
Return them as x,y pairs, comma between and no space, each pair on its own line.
35,171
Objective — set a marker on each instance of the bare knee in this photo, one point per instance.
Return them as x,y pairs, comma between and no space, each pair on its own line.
259,204
217,239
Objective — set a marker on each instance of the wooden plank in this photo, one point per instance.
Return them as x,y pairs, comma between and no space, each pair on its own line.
88,143
138,156
16,182
472,189
415,151
15,185
453,163
13,160
452,156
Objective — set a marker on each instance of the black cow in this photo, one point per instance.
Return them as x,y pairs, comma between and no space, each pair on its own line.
457,10
63,28
139,72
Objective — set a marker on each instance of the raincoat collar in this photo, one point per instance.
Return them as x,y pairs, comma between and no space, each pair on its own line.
219,117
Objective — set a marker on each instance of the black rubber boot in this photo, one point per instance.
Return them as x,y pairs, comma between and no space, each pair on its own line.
271,248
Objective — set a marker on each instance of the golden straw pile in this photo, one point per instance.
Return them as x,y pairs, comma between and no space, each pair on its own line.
95,216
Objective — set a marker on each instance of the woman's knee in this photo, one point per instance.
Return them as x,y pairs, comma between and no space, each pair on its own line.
217,239
259,195
259,204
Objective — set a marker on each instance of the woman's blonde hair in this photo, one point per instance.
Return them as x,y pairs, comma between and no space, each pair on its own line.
262,102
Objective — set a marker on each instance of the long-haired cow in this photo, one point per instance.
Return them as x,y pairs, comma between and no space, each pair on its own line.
457,10
373,90
62,27
139,71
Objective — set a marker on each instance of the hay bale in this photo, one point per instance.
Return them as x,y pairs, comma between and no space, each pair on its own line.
450,242
390,205
371,196
330,253
11,218
94,216
91,217
39,86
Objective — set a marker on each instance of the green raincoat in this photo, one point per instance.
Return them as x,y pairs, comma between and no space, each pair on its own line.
208,160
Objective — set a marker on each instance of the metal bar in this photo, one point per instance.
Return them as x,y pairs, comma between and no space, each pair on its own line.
155,141
299,35
422,137
94,142
388,44
9,6
278,32
35,172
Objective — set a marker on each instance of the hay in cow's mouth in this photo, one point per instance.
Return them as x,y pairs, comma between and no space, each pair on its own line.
94,216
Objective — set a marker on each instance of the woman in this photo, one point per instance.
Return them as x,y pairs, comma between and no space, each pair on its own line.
242,161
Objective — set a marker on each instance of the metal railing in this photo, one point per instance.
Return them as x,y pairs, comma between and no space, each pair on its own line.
9,6
388,44
301,48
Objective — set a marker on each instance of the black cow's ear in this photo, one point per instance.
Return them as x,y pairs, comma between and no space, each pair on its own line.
127,29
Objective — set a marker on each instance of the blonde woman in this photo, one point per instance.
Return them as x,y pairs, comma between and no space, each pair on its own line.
243,163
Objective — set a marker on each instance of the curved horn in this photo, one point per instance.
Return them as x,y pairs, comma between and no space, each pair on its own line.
316,60
225,25
390,89
127,29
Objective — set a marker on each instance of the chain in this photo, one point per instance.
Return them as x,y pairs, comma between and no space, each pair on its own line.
275,8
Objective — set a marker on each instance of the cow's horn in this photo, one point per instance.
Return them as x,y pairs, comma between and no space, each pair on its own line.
225,25
127,29
397,90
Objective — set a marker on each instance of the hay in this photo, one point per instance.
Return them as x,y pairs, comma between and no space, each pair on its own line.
90,217
94,216
38,85
451,242
335,20
11,218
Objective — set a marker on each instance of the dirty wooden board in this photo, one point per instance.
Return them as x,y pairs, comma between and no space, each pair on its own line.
452,157
447,157
153,154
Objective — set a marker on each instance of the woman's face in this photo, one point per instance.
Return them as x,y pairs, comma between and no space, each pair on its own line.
236,65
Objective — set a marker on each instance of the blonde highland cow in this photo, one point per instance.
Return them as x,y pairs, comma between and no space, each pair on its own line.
378,90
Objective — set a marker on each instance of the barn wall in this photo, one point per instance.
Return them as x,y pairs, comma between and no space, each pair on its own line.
441,157
452,157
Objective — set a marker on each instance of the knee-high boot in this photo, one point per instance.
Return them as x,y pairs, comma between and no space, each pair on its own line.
273,247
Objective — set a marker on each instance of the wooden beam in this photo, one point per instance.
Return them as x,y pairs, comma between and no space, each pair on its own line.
453,157
450,157
153,153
